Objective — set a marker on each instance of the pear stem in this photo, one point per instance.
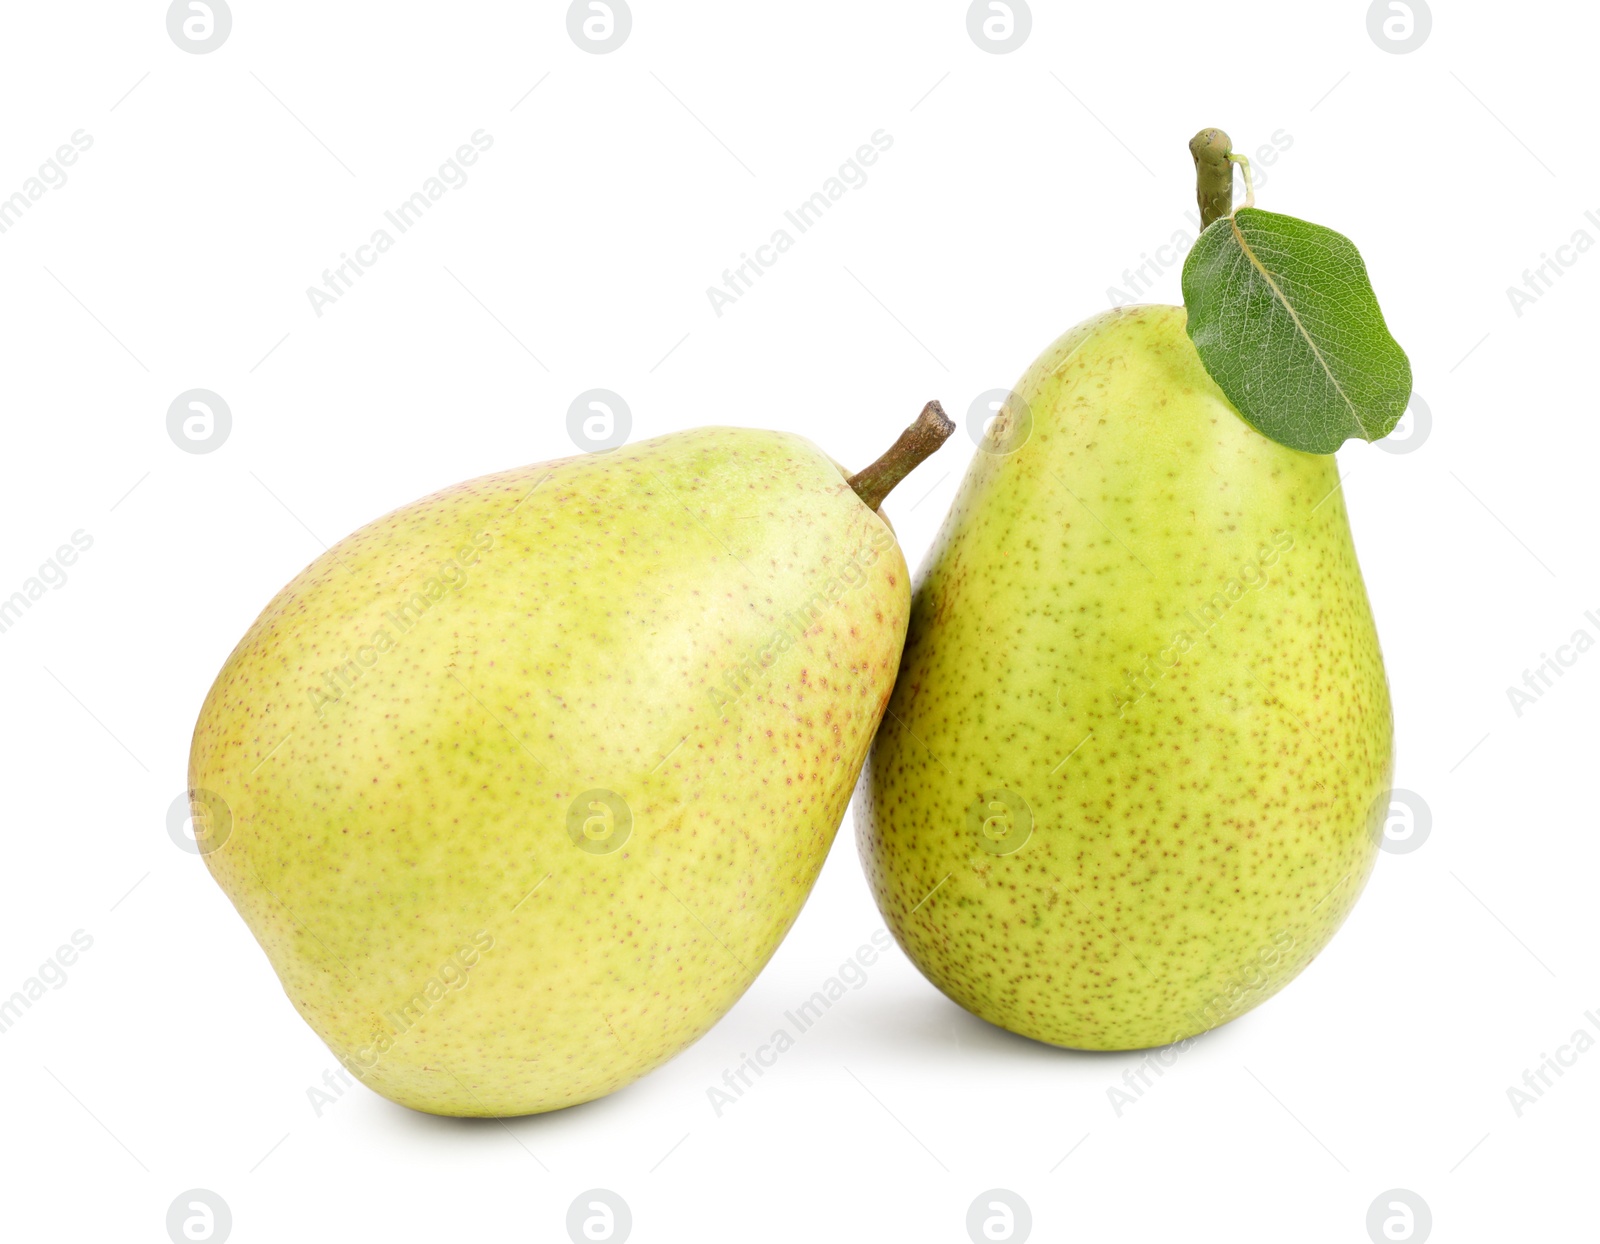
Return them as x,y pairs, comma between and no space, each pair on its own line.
1213,171
929,431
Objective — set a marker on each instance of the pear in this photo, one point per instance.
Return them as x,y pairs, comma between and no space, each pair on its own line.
1131,776
520,786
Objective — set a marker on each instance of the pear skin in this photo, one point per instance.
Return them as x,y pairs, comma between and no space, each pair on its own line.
1132,775
520,786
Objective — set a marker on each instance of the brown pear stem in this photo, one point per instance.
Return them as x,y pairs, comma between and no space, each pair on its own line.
918,441
1213,172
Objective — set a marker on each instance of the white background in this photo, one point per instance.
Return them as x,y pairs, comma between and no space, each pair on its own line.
1018,189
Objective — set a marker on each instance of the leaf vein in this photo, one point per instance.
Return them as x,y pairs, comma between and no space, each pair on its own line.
1266,276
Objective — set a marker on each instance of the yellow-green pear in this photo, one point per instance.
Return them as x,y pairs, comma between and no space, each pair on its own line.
521,785
1130,778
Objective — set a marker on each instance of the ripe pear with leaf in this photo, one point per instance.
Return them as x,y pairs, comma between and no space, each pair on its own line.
1134,770
520,786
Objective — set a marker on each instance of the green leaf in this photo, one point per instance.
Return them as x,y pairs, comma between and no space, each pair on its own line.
1285,320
